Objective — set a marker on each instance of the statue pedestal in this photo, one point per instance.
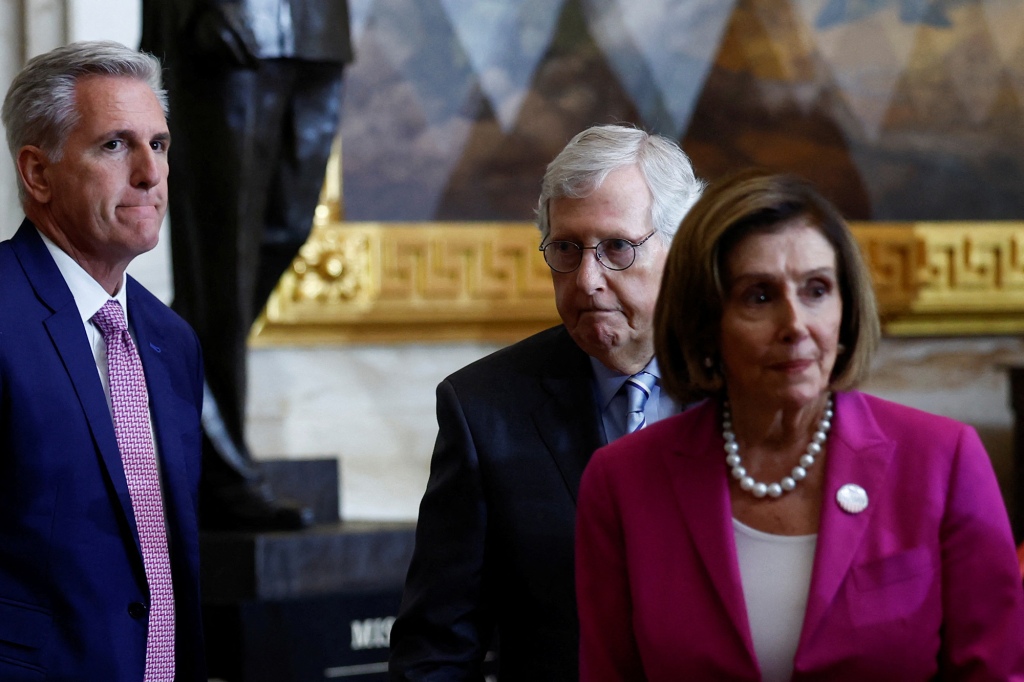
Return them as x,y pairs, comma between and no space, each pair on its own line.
307,605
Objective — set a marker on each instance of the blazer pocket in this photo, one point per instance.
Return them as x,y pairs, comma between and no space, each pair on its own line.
24,629
12,671
893,587
892,569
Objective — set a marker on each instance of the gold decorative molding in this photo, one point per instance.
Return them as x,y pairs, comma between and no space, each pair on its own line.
388,282
373,282
947,278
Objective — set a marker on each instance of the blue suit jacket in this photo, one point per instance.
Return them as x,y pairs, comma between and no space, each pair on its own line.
71,575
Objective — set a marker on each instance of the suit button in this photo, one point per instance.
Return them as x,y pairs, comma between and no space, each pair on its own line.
137,610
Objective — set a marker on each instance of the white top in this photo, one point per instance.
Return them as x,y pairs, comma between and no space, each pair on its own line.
776,574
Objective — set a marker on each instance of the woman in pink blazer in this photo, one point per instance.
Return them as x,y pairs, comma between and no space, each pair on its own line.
787,526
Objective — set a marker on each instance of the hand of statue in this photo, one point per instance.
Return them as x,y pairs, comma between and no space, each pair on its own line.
222,32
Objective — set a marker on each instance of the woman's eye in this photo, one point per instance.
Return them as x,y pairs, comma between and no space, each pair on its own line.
818,288
756,296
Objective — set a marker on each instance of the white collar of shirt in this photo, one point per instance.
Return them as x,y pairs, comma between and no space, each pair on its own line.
89,295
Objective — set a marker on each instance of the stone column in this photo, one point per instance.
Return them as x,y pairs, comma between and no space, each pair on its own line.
27,28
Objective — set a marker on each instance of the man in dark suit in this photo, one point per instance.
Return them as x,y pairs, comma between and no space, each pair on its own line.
494,541
99,548
255,86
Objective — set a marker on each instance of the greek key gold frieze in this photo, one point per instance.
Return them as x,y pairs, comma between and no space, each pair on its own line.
375,282
411,282
946,278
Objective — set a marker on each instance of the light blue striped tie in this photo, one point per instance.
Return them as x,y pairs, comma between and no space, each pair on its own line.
638,390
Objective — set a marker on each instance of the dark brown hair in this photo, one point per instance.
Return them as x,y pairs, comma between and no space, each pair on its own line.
688,315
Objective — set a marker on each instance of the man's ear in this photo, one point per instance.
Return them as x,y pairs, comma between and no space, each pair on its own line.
32,166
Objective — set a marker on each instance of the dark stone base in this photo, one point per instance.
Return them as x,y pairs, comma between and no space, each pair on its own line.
342,636
308,605
313,482
323,560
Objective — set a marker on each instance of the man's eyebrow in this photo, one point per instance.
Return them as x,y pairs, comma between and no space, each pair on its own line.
124,132
131,134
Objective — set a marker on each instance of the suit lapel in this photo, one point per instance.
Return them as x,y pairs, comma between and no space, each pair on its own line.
163,408
568,420
858,453
699,481
67,333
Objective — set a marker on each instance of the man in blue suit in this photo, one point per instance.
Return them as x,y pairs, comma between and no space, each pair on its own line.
86,126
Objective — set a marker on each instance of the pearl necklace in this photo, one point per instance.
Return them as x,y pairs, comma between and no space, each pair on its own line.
799,472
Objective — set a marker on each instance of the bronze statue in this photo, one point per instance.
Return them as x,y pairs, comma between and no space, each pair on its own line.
255,89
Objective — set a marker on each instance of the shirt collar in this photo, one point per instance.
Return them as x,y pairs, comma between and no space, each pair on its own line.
609,381
89,295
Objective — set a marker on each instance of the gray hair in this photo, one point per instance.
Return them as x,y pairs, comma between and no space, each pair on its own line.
39,108
586,161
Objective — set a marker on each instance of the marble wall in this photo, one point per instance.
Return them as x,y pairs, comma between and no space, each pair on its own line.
373,406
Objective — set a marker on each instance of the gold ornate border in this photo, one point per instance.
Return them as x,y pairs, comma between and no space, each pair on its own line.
376,282
947,278
371,282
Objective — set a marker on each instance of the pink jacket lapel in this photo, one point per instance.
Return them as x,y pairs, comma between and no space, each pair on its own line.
857,454
700,483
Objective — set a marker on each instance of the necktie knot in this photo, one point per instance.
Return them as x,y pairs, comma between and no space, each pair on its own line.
110,320
638,390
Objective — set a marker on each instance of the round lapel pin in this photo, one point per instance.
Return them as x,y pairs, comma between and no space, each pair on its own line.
852,498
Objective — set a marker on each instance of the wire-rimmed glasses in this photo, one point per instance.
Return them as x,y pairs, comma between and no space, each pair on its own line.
615,253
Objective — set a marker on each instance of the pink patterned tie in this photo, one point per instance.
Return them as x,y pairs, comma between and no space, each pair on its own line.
130,403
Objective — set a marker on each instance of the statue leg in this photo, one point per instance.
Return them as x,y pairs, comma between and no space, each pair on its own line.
308,129
224,127
213,244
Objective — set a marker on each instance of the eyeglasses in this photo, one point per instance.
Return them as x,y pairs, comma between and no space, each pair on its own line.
614,254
